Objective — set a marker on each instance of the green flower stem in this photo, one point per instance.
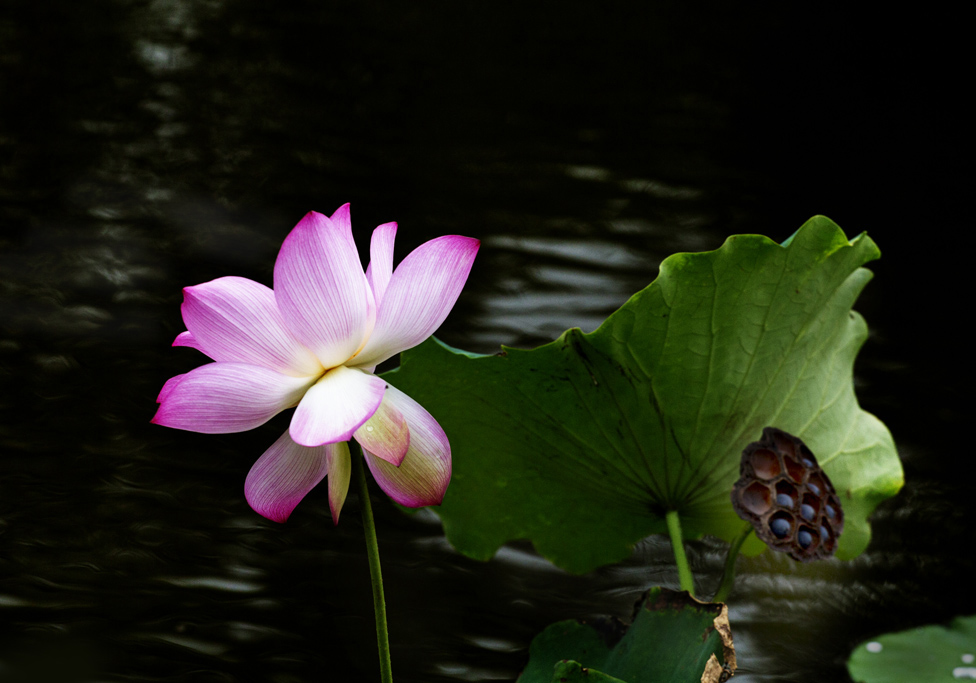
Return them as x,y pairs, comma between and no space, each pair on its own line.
375,573
678,547
728,575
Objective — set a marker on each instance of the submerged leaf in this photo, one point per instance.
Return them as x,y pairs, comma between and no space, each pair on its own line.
673,638
584,444
919,655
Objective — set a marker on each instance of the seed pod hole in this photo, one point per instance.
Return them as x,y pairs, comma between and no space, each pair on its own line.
810,507
833,511
784,443
794,469
786,495
781,524
765,464
756,498
807,537
806,457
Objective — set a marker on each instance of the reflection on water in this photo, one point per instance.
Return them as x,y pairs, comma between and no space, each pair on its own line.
169,143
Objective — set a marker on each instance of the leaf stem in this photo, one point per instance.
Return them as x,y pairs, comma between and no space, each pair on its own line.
728,574
678,547
375,573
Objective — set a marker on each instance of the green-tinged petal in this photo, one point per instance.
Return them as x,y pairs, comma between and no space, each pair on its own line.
340,467
425,471
385,434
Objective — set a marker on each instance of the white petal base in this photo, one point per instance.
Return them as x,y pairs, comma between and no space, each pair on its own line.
336,406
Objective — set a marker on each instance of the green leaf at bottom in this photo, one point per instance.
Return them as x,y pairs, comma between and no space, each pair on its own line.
574,672
673,638
930,654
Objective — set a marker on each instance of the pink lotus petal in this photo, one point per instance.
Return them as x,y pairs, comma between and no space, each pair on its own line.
282,477
340,467
380,267
386,434
236,320
186,339
342,219
321,289
219,398
168,387
420,295
370,317
423,476
336,406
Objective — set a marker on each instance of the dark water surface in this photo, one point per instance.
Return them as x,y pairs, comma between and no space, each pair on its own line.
147,146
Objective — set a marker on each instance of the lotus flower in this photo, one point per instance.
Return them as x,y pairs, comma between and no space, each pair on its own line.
313,343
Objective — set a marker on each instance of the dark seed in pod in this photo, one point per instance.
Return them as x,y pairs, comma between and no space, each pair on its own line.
804,538
784,500
807,512
780,527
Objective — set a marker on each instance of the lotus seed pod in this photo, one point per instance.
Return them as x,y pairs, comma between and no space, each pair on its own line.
787,498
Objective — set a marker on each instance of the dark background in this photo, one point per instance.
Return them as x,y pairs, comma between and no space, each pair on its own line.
147,146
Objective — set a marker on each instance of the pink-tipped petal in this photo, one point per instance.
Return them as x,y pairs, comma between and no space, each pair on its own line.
419,297
386,434
187,339
219,398
168,387
321,289
336,406
233,319
423,476
380,267
342,218
340,468
282,477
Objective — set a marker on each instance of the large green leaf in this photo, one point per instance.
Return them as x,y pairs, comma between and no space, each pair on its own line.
920,655
582,445
673,638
